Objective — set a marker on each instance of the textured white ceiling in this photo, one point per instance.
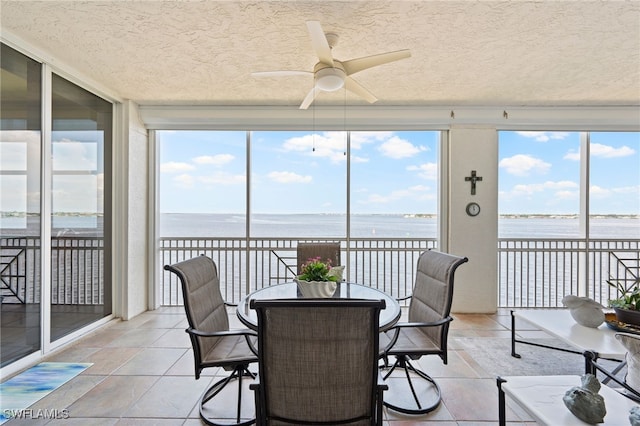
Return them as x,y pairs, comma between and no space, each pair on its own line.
484,53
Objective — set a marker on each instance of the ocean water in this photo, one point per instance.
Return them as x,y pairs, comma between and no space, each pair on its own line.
330,226
362,226
380,226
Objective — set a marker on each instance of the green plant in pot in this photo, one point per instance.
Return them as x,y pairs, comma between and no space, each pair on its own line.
316,270
627,305
318,278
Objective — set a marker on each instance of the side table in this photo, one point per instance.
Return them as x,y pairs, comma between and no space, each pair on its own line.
541,398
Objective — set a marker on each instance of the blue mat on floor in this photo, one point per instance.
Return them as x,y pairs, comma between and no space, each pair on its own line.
28,387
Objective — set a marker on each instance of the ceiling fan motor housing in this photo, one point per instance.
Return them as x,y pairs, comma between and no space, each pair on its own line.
329,78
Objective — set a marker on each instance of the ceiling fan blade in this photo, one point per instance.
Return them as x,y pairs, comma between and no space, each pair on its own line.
355,87
309,98
355,65
280,73
319,42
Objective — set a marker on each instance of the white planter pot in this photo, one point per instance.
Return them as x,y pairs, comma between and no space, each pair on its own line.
317,289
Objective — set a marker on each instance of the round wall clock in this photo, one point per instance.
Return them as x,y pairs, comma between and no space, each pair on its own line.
473,209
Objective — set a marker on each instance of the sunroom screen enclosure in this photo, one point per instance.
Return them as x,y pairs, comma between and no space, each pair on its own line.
247,198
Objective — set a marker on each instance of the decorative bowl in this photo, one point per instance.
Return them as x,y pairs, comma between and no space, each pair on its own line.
627,316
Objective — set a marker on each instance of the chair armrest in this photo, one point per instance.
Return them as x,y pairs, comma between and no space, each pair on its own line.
423,324
401,299
247,333
251,343
396,330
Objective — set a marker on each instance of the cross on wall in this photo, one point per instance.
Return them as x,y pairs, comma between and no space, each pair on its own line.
473,179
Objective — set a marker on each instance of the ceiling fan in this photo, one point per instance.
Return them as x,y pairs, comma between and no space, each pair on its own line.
331,74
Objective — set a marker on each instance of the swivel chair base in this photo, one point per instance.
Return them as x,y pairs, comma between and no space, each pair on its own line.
424,402
238,373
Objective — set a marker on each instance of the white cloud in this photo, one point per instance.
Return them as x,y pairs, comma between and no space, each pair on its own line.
13,156
73,155
530,189
544,136
70,194
331,145
602,151
397,148
427,171
358,139
633,192
628,190
523,165
175,167
566,195
606,151
356,159
572,155
216,160
14,193
28,136
222,178
289,177
184,180
417,192
598,191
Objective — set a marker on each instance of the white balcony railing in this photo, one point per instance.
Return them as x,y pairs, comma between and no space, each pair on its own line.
539,272
534,272
245,265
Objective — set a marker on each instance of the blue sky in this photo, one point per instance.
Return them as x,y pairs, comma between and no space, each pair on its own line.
391,172
305,172
299,172
540,172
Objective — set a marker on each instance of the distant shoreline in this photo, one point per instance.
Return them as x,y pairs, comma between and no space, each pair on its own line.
568,216
544,216
407,215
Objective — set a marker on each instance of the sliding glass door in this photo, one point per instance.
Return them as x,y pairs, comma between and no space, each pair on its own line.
55,270
20,214
81,134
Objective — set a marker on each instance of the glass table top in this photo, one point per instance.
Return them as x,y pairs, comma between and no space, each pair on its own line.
388,316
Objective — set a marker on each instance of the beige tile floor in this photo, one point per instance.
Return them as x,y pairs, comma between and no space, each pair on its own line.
142,373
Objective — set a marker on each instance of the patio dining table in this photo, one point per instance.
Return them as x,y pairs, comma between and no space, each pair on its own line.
344,290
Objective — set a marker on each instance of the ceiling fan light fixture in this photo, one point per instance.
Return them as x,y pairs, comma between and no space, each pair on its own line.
330,79
331,74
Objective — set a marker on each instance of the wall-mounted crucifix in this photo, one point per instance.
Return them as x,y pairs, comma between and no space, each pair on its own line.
473,179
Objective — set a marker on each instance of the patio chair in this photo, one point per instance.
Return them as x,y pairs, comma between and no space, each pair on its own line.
324,251
425,333
318,362
214,345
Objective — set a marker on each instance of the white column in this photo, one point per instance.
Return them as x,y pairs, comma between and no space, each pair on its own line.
130,214
476,237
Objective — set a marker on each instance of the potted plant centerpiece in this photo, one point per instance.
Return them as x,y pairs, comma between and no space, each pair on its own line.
627,305
318,278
